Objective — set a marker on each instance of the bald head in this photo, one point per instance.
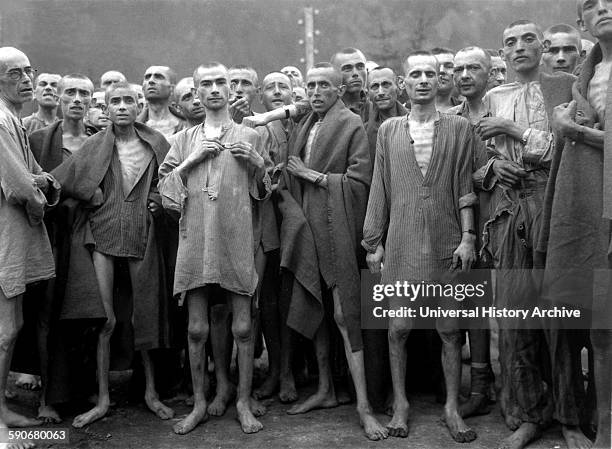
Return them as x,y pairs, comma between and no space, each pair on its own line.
295,74
15,76
8,55
351,63
112,77
328,70
158,83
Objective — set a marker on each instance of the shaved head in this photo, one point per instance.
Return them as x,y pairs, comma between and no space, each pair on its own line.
324,67
7,55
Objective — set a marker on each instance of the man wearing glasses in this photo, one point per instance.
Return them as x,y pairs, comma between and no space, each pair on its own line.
25,193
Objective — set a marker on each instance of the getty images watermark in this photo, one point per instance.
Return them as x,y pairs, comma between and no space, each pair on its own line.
469,299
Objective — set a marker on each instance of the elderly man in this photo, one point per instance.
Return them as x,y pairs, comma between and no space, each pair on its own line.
576,232
46,101
295,74
111,77
245,88
158,86
51,146
211,177
188,104
418,186
563,47
25,193
516,174
350,62
113,176
499,70
323,195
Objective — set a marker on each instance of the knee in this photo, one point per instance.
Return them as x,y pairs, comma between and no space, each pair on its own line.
8,334
197,332
398,334
241,330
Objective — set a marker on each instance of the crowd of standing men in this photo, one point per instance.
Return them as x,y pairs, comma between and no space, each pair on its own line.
153,226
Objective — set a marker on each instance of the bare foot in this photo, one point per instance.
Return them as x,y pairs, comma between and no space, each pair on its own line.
224,396
187,424
12,419
287,392
575,439
398,426
526,433
48,415
248,422
372,428
267,389
476,405
99,411
28,382
157,407
459,431
257,407
317,400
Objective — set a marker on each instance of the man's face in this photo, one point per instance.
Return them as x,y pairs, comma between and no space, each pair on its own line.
522,48
111,78
299,93
353,69
445,72
562,54
295,74
122,107
213,87
97,111
243,84
276,91
157,84
421,81
189,103
597,18
499,72
322,89
382,88
75,98
15,82
471,73
46,90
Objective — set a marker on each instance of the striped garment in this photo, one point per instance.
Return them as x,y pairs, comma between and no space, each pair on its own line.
422,142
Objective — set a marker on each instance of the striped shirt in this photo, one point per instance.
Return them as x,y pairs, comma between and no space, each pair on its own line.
422,137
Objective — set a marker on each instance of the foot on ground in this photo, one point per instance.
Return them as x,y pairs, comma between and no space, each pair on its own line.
575,439
317,400
476,405
257,407
12,419
372,428
28,381
398,426
187,424
521,437
48,415
99,411
267,389
459,430
225,395
287,392
248,422
157,407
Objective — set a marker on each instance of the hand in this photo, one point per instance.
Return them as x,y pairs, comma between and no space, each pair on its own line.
374,260
253,121
508,172
494,126
246,152
210,148
464,256
97,199
563,118
239,109
41,182
153,207
296,167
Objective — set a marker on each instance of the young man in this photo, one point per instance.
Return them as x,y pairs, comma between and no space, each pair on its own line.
158,87
245,88
47,102
188,103
25,193
211,176
351,63
323,195
577,232
563,47
113,176
426,191
445,99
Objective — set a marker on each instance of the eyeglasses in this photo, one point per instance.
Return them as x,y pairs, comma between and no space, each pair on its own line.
17,74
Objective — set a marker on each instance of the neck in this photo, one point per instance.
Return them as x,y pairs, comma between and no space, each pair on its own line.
158,109
423,112
217,118
527,77
352,97
606,50
475,104
15,108
444,99
73,127
124,133
386,113
48,115
194,122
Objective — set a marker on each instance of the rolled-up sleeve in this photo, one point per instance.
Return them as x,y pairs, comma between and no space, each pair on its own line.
173,191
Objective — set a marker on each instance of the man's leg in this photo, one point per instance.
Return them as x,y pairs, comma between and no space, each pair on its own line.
288,392
46,412
242,331
601,339
105,270
197,332
373,429
11,320
399,329
451,364
480,374
222,344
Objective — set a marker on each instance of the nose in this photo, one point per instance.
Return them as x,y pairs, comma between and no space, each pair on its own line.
423,78
602,5
277,90
465,73
196,100
561,56
78,98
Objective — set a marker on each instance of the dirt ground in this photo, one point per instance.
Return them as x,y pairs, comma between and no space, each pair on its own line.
132,426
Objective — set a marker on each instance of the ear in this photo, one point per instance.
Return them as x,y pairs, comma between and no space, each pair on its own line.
501,54
546,46
341,90
400,82
581,25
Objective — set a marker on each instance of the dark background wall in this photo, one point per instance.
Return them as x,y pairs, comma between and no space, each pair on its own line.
92,36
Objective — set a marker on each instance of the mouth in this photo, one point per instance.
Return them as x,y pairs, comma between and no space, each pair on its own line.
604,20
317,102
76,108
355,83
381,99
466,86
423,91
520,58
27,90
